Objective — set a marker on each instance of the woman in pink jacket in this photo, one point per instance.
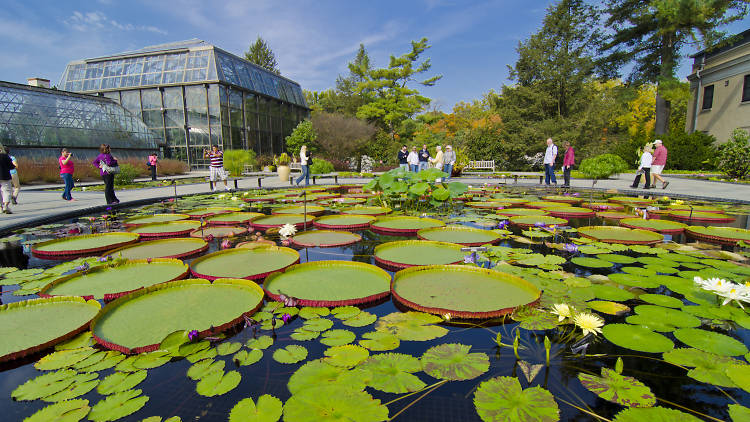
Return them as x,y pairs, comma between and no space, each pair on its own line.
568,161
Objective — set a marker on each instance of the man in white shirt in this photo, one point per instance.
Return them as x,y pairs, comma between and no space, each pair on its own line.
549,162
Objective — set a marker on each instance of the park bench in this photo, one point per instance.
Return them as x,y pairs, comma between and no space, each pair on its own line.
295,167
481,165
334,176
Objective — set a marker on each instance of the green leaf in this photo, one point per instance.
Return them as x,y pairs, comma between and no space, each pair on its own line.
457,189
63,358
667,315
120,381
711,342
608,292
453,361
153,359
44,385
653,414
362,319
82,384
172,342
392,372
228,348
316,374
126,365
209,353
345,312
117,406
334,403
706,367
740,375
268,409
309,312
411,326
217,383
661,300
85,339
607,307
636,338
290,354
317,324
379,341
191,348
262,342
441,194
300,334
503,399
205,367
111,358
611,386
245,358
347,355
419,189
739,413
65,411
531,318
337,337
591,262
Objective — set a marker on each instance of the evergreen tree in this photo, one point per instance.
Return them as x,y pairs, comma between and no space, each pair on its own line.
262,55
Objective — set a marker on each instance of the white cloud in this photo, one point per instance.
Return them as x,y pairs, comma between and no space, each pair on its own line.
93,21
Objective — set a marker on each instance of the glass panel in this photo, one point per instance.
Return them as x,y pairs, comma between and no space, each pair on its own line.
153,64
175,62
176,136
235,116
151,98
109,83
151,79
175,118
213,95
195,75
131,100
227,68
173,97
173,77
91,84
195,96
222,94
197,117
257,80
238,141
225,137
152,118
270,90
251,102
235,98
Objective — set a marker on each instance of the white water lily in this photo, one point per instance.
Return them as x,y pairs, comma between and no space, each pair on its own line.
287,230
726,289
562,311
588,322
735,294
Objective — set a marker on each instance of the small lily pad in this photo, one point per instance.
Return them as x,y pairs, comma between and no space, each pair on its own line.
267,409
85,339
205,367
82,384
44,385
64,411
262,342
411,326
217,383
668,316
379,341
503,399
331,402
346,356
209,353
653,414
453,361
300,334
608,292
245,357
705,367
290,354
393,372
607,307
317,324
740,375
120,381
173,341
739,413
316,374
337,337
650,323
309,312
711,342
117,406
228,348
345,312
110,359
152,360
617,388
192,348
638,338
661,300
63,358
362,319
616,258
591,262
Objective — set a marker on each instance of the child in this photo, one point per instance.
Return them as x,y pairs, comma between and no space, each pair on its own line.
645,167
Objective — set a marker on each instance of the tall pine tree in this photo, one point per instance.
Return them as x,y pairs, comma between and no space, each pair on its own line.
262,55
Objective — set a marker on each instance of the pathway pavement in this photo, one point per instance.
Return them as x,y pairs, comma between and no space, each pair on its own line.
39,206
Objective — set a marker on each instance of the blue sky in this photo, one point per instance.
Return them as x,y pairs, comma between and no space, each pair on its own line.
472,41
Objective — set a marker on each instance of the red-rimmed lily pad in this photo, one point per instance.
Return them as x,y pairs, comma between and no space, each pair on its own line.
407,253
324,239
541,204
343,201
344,222
300,209
603,206
699,216
199,213
298,220
363,210
162,248
232,218
155,218
128,324
661,226
721,235
463,235
514,212
570,212
105,282
610,234
245,263
168,229
526,221
330,283
613,215
403,225
630,200
32,325
218,232
83,245
462,291
491,205
572,200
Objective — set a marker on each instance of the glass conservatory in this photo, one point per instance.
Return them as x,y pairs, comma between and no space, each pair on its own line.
39,121
193,94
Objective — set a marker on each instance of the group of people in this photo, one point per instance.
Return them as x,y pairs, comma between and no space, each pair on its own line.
550,156
653,160
420,160
9,182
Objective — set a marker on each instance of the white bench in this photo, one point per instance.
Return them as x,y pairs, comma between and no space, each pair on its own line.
481,165
295,167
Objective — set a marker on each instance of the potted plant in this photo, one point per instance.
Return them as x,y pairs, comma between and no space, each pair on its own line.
462,160
282,166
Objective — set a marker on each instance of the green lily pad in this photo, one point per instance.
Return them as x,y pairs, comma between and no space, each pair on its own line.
503,399
668,315
334,402
63,359
85,339
267,409
591,262
310,312
317,324
110,359
337,337
634,280
379,341
739,413
532,318
638,338
173,341
617,388
64,411
44,385
228,348
705,367
740,375
245,357
362,319
192,348
217,383
393,372
261,342
300,334
453,361
117,406
711,342
346,356
607,307
290,354
316,374
609,292
205,367
661,300
650,323
639,271
617,259
152,360
82,384
411,326
653,414
120,381
345,312
209,353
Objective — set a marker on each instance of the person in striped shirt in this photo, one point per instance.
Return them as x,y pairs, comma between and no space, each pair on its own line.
216,166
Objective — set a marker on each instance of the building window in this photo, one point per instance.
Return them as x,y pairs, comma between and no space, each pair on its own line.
708,97
746,89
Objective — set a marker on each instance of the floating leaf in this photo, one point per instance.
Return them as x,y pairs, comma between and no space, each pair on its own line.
153,359
591,262
126,365
337,337
316,374
661,300
453,361
82,384
503,399
607,307
650,323
317,324
740,375
262,342
739,413
117,406
532,318
392,372
85,339
209,353
205,367
362,319
64,411
309,312
174,341
92,359
245,358
706,367
617,388
159,419
608,292
529,371
192,348
217,383
272,324
120,381
44,385
290,354
345,312
653,414
667,315
63,358
711,342
638,338
228,348
111,358
268,409
379,341
347,355
331,403
411,326
617,259
300,334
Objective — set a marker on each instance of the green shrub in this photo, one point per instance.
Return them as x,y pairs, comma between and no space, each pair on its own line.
693,151
321,166
303,134
603,166
127,174
734,156
236,159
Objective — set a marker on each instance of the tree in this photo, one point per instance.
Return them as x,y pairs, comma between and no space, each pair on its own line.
651,34
392,100
341,136
262,55
303,134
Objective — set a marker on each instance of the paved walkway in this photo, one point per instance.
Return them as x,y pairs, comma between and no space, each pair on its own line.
39,206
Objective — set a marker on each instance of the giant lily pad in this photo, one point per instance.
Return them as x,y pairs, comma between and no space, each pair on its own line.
462,291
232,218
638,338
491,205
267,409
333,402
661,226
83,245
35,324
402,254
711,342
610,234
570,212
126,324
411,326
514,212
701,216
363,210
167,229
722,235
218,232
630,200
452,361
108,283
503,399
250,264
199,213
617,388
155,218
403,225
324,239
300,209
178,248
613,215
462,235
571,200
393,372
344,222
532,220
330,283
297,220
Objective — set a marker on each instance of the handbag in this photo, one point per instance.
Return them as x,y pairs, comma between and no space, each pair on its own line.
109,169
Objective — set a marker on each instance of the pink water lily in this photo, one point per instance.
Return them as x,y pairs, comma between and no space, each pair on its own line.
193,334
286,318
226,244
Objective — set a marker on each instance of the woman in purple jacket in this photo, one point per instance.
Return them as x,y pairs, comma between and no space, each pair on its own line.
568,162
106,163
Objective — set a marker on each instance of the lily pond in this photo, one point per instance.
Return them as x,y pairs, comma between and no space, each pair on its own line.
408,300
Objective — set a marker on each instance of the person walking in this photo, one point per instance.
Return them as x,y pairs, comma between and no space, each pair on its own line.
403,154
108,167
153,159
660,160
424,157
303,159
413,159
216,166
647,159
15,182
6,165
549,162
568,161
66,172
449,160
